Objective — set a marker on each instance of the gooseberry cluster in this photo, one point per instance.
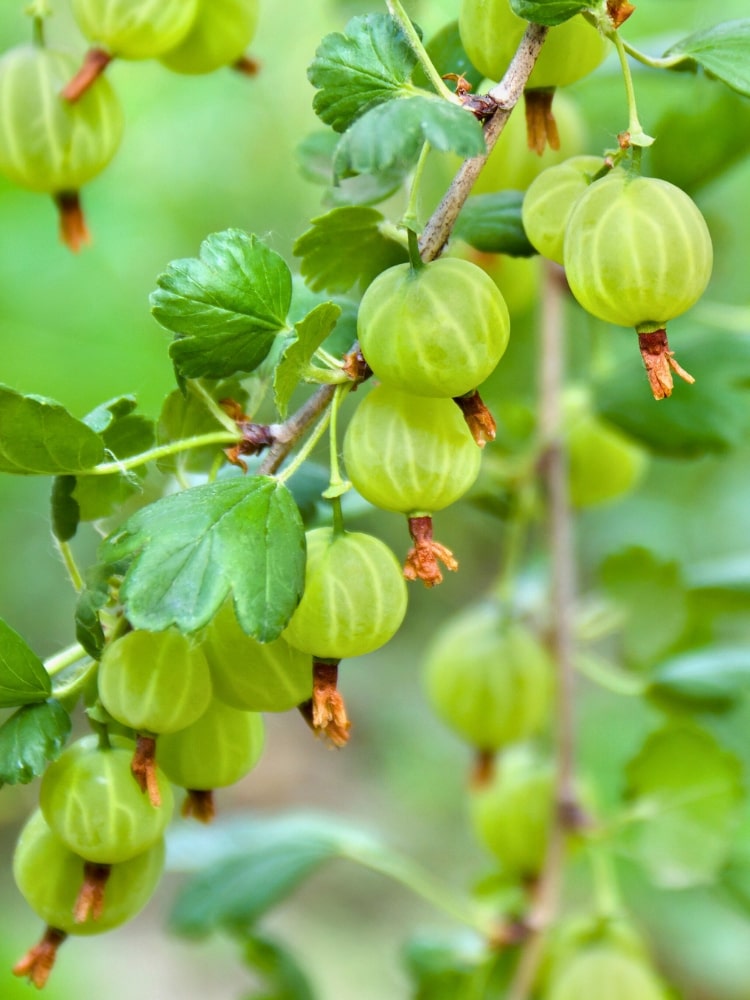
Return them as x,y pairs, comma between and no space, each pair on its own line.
63,123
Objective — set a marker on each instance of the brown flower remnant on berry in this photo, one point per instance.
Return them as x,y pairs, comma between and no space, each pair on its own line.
90,902
619,11
38,961
422,562
247,66
355,367
483,770
74,232
660,363
199,805
478,418
94,63
325,712
143,766
541,127
255,437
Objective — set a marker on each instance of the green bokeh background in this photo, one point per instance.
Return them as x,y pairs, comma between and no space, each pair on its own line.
200,155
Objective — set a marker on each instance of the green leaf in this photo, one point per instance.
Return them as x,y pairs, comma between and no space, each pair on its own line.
448,55
392,135
64,508
39,437
652,597
686,789
492,223
370,62
226,306
31,738
253,865
549,12
723,51
91,600
242,535
316,154
309,335
711,416
346,246
282,976
23,678
714,678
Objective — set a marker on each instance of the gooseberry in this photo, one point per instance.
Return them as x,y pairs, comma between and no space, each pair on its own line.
437,330
219,35
550,199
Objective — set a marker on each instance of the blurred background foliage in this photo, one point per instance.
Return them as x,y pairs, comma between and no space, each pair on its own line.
202,154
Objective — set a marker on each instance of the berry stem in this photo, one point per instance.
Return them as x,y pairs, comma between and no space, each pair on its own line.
397,12
635,135
75,575
163,451
65,658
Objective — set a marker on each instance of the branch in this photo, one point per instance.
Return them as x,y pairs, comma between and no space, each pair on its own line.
287,434
555,474
506,95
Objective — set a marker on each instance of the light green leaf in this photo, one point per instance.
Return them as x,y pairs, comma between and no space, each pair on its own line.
549,12
370,62
226,306
31,738
282,976
392,135
190,550
346,246
316,155
723,51
686,789
309,335
492,223
23,678
652,597
39,437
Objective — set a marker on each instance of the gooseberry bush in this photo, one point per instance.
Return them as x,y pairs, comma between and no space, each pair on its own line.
440,359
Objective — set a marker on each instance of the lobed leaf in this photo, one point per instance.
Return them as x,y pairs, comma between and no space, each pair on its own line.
369,63
722,50
190,550
310,333
549,12
492,223
23,678
316,156
39,437
391,135
686,788
225,306
31,738
344,247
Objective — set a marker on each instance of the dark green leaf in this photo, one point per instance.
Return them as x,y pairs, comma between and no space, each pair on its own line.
723,51
91,600
31,738
225,306
711,416
686,789
492,223
316,153
449,56
256,863
280,972
295,361
720,117
549,12
65,511
100,496
39,437
23,678
370,62
241,535
346,246
703,679
652,596
392,135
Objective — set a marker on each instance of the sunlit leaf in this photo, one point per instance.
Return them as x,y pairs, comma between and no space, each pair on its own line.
723,51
